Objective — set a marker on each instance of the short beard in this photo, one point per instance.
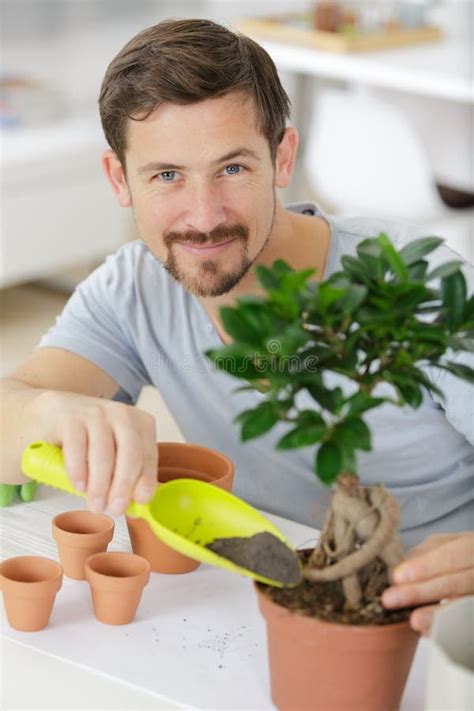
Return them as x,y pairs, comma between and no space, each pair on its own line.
222,285
226,281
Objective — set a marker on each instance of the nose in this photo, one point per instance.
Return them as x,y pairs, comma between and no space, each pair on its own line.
204,208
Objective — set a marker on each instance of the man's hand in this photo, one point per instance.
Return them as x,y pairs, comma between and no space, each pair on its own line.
440,568
109,448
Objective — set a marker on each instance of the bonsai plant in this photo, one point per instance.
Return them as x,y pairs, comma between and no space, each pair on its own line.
379,320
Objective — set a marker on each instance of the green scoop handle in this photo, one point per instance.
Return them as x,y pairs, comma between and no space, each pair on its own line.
186,514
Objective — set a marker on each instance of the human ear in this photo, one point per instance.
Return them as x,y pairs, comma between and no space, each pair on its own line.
285,158
115,174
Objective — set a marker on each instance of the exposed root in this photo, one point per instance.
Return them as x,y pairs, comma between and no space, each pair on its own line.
361,527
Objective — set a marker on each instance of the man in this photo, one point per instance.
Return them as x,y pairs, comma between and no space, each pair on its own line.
195,117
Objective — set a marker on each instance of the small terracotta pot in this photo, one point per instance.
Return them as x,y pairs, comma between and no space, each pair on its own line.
116,580
324,665
179,461
80,534
29,584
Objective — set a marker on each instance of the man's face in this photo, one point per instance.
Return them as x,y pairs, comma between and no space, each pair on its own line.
202,185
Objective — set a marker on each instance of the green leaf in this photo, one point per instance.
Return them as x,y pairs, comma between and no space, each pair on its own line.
348,461
310,417
355,268
417,270
328,294
353,298
353,433
458,343
267,277
281,267
413,251
393,257
431,334
407,388
328,462
424,380
360,403
469,309
371,255
296,280
369,247
415,294
444,270
330,400
454,291
460,370
237,360
238,325
258,421
302,436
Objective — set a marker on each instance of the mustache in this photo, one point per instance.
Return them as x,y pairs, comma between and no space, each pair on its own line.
218,234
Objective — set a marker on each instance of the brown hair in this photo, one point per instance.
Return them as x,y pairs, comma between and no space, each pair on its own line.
183,62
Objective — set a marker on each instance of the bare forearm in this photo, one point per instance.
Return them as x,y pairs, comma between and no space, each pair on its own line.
19,426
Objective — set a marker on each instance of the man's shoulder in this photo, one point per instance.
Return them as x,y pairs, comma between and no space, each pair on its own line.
353,230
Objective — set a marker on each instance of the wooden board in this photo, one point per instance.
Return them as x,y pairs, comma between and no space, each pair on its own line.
336,42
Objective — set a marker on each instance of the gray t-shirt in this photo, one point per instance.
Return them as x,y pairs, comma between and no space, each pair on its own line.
139,325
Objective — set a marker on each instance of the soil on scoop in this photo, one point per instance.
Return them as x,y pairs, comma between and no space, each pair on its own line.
326,600
262,553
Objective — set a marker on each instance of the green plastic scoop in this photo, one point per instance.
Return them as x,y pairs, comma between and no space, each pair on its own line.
185,514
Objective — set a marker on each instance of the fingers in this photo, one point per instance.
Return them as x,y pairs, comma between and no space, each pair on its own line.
433,590
100,462
454,554
73,439
422,617
128,467
110,451
148,481
135,463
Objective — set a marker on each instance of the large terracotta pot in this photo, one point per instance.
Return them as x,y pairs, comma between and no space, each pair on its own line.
179,461
316,665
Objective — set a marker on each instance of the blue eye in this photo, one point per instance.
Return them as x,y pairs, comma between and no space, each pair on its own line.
167,176
233,169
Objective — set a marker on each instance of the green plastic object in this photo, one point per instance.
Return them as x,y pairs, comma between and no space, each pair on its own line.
186,514
7,492
26,492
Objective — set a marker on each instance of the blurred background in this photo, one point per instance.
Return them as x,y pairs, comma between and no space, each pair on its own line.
382,94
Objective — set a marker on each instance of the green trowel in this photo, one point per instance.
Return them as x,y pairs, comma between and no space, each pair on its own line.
186,514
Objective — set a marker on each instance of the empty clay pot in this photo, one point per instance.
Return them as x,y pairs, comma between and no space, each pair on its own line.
29,585
325,665
80,534
117,580
179,461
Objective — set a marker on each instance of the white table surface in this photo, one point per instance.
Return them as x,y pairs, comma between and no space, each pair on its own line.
442,69
198,640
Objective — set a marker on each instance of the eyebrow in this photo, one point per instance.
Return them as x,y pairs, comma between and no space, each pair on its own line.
156,166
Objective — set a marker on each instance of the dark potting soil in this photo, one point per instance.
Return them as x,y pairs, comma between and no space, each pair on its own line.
326,602
262,553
